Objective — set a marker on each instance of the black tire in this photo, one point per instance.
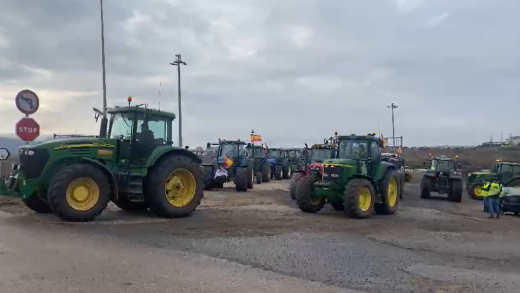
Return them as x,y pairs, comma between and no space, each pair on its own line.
352,198
287,172
241,178
57,192
258,177
155,189
250,178
124,203
304,195
455,194
36,204
294,184
278,172
426,187
472,190
389,206
208,173
337,205
266,172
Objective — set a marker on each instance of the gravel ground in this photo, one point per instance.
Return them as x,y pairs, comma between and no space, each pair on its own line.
259,241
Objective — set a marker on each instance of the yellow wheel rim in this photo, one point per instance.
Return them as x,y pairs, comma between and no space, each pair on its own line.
392,192
180,188
82,194
478,191
365,199
316,200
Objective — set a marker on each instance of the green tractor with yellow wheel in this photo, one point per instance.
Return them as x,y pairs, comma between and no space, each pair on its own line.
131,163
506,173
357,181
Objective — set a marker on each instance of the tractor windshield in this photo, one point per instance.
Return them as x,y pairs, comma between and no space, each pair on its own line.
353,149
229,149
505,169
275,153
154,130
320,155
444,166
121,126
294,154
259,152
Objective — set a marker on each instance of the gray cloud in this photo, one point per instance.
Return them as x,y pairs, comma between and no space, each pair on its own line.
295,71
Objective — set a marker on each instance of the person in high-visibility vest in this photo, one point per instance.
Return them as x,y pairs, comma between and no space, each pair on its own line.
493,192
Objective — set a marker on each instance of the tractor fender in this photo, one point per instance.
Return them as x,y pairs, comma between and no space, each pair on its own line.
114,188
163,151
382,170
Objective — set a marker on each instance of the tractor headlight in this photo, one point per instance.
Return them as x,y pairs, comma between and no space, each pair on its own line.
30,153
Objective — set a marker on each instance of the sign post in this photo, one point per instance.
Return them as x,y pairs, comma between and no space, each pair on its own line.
28,103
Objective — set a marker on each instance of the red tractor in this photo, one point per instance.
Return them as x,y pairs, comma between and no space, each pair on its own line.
314,156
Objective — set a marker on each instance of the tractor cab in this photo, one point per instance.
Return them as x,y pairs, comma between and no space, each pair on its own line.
506,171
230,152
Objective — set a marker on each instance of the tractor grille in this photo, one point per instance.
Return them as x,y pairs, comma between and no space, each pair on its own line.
33,165
331,174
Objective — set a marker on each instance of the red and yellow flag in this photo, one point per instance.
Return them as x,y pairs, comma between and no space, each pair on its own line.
256,137
228,162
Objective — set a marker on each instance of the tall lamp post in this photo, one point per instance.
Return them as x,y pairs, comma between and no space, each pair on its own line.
178,61
393,106
104,120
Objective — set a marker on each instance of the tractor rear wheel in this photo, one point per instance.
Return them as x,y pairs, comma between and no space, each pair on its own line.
426,187
359,197
258,177
390,188
174,187
287,172
305,198
79,193
37,204
250,178
124,203
241,179
278,172
266,172
294,183
475,191
455,192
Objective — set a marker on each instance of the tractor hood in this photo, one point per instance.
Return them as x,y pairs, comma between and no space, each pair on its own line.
340,162
77,142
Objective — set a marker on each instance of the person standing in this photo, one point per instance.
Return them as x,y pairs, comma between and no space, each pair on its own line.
493,192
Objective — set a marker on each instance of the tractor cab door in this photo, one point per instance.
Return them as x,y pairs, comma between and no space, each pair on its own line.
505,172
150,133
374,159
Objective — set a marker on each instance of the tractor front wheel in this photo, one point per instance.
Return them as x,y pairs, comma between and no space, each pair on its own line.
79,193
305,198
278,172
250,178
426,186
258,177
174,187
359,198
266,172
294,183
241,179
287,172
475,190
455,192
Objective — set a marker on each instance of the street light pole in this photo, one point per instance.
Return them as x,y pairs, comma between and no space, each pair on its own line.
104,120
178,63
393,106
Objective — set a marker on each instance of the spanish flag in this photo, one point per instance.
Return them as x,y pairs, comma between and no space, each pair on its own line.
228,162
256,137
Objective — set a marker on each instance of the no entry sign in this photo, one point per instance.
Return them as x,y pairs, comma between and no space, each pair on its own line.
27,129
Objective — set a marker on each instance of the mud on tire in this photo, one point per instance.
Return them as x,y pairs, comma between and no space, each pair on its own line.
57,192
155,189
305,193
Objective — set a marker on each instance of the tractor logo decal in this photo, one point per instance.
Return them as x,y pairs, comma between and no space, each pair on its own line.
83,146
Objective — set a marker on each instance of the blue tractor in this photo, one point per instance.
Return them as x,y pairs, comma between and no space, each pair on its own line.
281,163
232,163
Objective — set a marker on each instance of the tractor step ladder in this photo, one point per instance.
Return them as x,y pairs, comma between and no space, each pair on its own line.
135,188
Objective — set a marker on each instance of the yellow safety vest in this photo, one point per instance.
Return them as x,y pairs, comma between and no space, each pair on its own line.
492,189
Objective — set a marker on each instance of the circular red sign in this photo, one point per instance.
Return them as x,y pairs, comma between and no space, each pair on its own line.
27,102
27,129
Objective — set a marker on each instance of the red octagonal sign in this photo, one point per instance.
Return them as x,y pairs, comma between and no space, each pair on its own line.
27,129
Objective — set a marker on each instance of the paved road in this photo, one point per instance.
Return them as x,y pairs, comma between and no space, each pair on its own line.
429,246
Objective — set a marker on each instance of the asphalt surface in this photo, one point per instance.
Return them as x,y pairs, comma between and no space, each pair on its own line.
260,242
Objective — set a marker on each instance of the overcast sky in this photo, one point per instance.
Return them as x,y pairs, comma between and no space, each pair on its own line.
295,71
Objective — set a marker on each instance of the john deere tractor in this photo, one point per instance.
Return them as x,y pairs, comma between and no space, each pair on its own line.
232,164
281,163
507,173
262,167
442,177
357,180
132,163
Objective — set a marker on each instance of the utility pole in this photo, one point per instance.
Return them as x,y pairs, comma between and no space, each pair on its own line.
178,61
104,120
393,106
501,143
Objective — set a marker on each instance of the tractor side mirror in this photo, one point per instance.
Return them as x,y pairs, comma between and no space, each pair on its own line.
208,145
187,147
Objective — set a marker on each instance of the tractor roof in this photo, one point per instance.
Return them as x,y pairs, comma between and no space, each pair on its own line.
442,158
223,141
140,110
509,163
369,137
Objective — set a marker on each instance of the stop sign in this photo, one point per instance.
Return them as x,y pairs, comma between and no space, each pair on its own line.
27,129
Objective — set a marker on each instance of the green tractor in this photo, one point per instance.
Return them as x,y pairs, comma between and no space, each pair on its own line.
75,178
262,168
356,181
442,177
507,173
